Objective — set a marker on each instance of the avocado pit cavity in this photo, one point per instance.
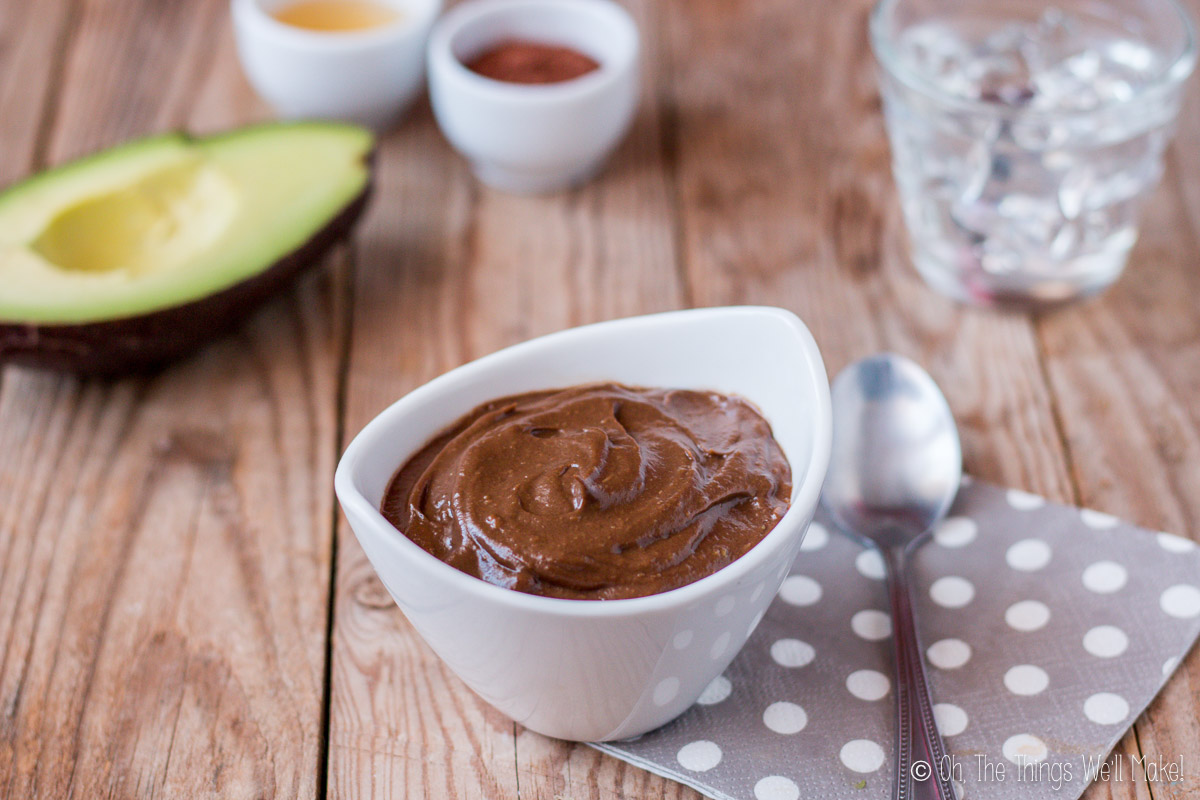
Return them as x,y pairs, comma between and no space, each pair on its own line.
154,223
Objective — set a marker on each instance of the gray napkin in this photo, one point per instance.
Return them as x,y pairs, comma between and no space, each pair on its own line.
1047,630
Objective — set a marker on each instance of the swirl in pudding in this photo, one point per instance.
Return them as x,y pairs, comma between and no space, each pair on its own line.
595,492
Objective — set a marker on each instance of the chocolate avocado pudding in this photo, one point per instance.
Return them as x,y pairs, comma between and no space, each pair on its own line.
595,492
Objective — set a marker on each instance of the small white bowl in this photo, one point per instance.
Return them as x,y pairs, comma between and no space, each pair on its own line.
369,77
592,670
535,138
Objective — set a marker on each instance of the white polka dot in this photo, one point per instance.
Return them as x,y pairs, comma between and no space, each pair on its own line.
816,538
785,718
1105,641
666,690
1028,555
867,684
719,646
758,590
1106,708
792,653
1097,519
949,653
699,756
1181,601
1027,615
800,590
951,720
1175,544
724,606
1026,680
1024,501
1104,577
871,625
952,592
715,692
955,532
1169,665
776,787
862,755
1024,749
754,622
870,565
682,640
959,791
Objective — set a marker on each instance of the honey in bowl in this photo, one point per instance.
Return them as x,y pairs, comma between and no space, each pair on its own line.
336,16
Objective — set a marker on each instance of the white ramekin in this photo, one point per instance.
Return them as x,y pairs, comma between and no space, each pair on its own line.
368,76
584,669
535,138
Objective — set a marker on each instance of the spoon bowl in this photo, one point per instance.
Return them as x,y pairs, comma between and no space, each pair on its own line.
895,468
896,462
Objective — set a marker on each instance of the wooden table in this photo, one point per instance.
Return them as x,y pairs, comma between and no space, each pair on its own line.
183,612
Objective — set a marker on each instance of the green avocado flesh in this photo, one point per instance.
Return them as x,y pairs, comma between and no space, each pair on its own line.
164,221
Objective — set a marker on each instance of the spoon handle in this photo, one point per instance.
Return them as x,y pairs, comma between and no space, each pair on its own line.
916,722
906,711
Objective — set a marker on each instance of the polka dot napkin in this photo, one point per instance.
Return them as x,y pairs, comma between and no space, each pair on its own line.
1046,630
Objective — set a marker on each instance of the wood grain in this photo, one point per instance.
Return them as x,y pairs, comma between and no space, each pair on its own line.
754,178
165,541
29,84
29,81
785,198
1125,371
616,257
168,559
438,284
400,726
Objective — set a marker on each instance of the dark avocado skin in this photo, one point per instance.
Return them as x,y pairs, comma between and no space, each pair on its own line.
148,341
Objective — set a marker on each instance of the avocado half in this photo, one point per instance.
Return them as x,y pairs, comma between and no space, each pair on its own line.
129,258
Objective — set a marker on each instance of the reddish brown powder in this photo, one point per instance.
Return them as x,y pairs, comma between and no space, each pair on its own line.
532,62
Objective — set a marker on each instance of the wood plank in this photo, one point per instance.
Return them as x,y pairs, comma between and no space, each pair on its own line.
106,479
738,180
554,770
165,541
134,68
448,271
399,724
29,80
627,265
786,198
1125,370
30,83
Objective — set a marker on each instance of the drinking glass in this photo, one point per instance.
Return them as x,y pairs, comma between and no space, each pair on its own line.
1026,135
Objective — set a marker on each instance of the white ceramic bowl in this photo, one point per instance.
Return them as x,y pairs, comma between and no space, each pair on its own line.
600,669
368,76
534,138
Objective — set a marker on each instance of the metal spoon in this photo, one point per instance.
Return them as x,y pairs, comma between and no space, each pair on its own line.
896,468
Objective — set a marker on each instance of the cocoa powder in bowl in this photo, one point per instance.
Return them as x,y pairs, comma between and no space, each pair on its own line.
516,61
